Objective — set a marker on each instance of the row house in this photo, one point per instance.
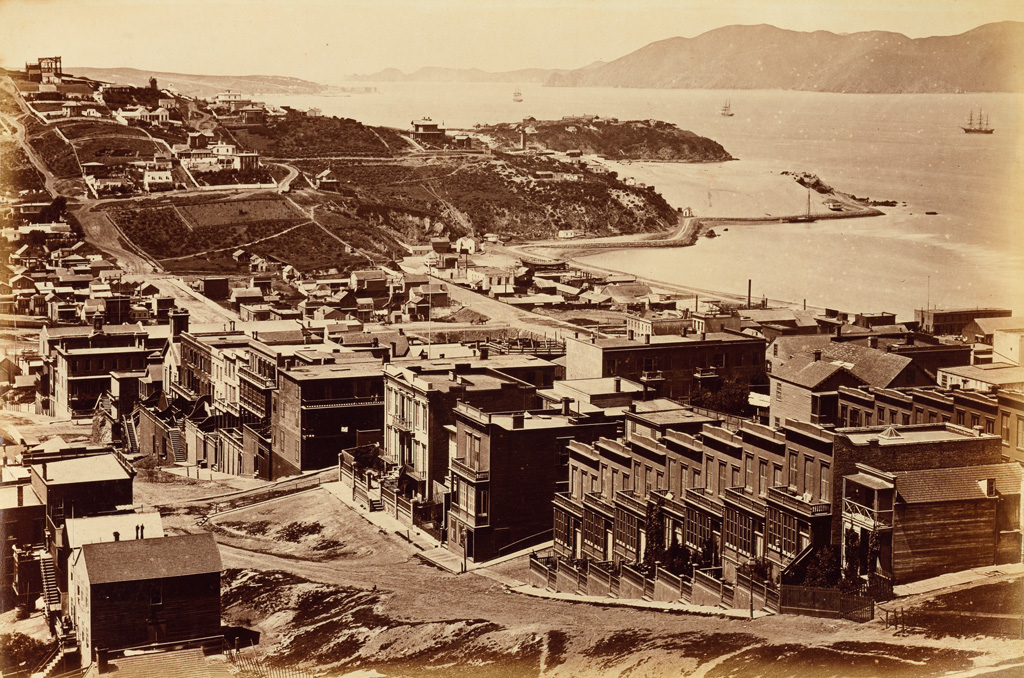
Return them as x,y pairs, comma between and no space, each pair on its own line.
420,398
881,406
319,410
671,365
505,470
1011,424
954,321
883,496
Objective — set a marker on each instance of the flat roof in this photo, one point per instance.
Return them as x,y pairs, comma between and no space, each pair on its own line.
362,368
598,385
9,496
666,340
86,469
97,529
532,421
911,434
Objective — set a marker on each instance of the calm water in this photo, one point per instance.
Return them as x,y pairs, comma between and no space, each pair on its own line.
900,147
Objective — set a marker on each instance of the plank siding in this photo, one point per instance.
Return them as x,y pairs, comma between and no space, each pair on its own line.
932,539
121,611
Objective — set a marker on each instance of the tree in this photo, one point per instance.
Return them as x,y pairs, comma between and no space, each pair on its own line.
18,649
655,550
823,570
152,83
852,568
54,211
732,398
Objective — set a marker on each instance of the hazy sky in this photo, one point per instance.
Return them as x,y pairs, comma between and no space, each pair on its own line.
324,40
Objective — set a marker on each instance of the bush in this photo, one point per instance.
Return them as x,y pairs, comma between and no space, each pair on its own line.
18,650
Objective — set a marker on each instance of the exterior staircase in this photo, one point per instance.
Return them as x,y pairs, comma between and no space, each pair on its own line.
51,594
131,436
376,505
177,447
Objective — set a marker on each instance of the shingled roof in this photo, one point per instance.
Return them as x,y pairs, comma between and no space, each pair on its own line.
142,559
956,484
871,366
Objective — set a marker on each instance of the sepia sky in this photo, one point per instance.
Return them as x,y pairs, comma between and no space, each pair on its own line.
324,40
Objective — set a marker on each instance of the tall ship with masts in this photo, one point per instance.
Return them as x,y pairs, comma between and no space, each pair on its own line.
727,109
977,125
517,95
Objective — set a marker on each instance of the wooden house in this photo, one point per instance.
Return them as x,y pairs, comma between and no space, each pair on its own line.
144,591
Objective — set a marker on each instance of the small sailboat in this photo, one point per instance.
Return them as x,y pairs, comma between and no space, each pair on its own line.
803,219
727,109
979,126
517,95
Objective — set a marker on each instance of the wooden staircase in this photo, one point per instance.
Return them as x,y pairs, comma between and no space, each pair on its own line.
177,447
376,505
51,594
131,436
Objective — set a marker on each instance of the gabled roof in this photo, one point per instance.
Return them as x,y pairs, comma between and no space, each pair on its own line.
957,484
990,325
142,559
805,371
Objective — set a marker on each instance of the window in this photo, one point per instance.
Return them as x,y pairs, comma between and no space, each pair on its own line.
778,390
762,478
792,469
776,475
990,425
825,481
1020,432
844,415
959,417
735,476
975,420
748,472
854,417
782,531
482,503
721,477
906,418
892,417
739,531
881,415
808,475
1005,427
695,479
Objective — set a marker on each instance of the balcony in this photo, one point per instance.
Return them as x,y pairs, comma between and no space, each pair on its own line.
473,475
401,422
630,501
671,503
566,503
341,402
748,502
789,499
652,375
256,378
595,501
870,518
229,407
700,498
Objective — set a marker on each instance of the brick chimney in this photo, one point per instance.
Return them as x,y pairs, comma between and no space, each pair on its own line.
517,420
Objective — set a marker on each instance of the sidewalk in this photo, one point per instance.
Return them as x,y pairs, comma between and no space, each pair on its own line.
641,604
945,581
390,524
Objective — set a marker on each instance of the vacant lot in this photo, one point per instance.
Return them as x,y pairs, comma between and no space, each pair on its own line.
162,234
18,173
81,129
222,212
56,153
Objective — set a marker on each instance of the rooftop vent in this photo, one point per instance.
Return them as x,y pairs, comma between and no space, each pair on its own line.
890,433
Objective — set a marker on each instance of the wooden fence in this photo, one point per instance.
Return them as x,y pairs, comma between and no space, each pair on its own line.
823,602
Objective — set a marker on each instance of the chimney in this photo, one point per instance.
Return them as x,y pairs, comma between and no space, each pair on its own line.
839,330
749,284
617,384
686,331
873,342
647,338
629,335
142,531
703,336
817,354
565,406
517,420
632,407
21,495
910,340
45,477
117,536
136,531
593,339
484,352
101,661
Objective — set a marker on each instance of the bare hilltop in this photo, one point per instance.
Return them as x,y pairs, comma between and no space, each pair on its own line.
985,59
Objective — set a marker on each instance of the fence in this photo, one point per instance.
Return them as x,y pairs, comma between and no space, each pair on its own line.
822,602
955,622
253,667
249,498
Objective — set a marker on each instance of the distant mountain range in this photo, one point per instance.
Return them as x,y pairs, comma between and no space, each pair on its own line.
985,59
438,74
201,85
989,58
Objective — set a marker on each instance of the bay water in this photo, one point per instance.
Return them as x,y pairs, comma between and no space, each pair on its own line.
903,147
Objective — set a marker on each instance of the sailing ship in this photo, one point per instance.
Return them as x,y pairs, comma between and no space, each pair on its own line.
979,126
517,95
727,109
